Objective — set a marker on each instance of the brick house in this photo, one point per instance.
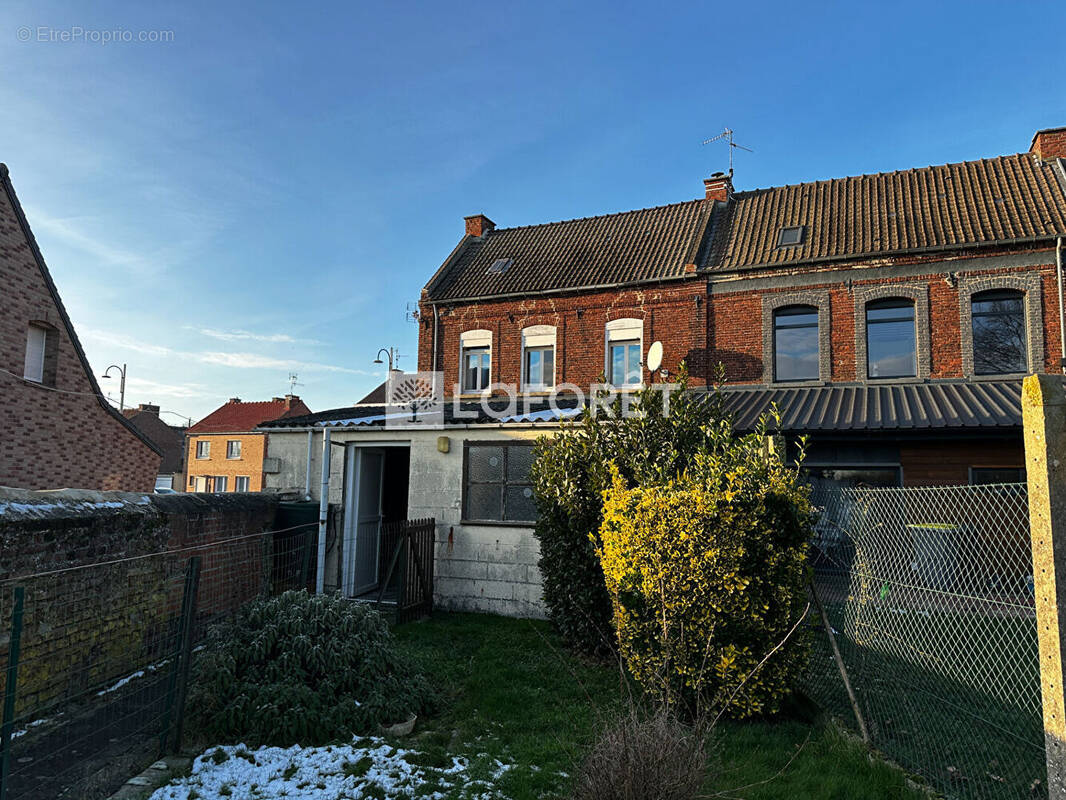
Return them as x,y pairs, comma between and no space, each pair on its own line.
170,439
56,428
888,316
223,451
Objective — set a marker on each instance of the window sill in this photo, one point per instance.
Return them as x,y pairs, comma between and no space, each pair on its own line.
496,523
799,384
998,377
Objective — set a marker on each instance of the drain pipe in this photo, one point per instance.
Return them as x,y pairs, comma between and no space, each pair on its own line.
307,477
436,316
323,513
1062,313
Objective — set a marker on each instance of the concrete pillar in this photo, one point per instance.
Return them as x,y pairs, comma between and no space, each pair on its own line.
1044,418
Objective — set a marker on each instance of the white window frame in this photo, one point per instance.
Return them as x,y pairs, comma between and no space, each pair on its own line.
237,479
623,330
36,347
229,449
221,482
538,337
474,340
206,444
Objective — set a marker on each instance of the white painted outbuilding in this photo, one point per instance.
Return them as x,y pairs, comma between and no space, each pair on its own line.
472,479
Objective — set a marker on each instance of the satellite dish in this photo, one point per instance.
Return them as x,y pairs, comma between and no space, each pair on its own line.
655,356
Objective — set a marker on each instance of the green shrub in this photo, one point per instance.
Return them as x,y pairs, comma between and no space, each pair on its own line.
707,575
302,669
572,470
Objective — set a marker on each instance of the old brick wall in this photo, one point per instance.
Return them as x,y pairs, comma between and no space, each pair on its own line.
737,318
674,313
705,326
103,574
59,436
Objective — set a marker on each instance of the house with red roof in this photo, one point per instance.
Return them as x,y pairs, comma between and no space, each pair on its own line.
223,451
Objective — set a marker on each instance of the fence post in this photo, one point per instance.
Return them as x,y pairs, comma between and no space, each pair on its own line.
179,673
11,689
1044,421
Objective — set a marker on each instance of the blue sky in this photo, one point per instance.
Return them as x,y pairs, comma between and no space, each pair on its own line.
267,191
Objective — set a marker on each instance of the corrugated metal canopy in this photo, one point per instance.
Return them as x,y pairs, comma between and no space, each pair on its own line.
890,407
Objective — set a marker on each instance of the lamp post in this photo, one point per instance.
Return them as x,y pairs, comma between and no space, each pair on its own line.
390,353
121,385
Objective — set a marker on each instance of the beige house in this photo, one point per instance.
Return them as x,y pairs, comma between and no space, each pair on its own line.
471,477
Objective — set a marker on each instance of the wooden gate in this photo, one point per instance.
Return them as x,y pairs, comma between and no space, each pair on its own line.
408,544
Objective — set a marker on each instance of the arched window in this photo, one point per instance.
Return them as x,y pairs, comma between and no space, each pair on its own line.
1000,343
890,339
796,343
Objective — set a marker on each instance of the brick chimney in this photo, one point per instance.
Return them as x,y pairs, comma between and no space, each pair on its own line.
148,407
478,225
719,187
1049,143
290,399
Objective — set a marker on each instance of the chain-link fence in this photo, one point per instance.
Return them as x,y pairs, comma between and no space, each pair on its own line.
929,593
97,656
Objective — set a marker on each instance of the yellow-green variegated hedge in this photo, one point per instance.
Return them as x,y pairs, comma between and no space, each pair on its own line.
707,574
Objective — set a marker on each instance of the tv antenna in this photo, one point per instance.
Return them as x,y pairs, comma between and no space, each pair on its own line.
727,134
292,382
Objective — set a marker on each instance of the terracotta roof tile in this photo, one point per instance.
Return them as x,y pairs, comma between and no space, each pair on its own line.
645,245
1004,199
236,416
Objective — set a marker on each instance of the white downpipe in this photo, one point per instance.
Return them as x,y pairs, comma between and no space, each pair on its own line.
307,478
1062,312
323,513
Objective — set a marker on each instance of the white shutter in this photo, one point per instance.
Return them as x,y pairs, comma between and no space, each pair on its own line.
35,341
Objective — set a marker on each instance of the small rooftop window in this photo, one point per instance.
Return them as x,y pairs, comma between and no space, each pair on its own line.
500,265
790,236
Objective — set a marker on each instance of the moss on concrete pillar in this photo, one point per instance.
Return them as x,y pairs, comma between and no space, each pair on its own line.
1044,418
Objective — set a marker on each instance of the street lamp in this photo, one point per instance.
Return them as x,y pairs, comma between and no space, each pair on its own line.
121,385
390,354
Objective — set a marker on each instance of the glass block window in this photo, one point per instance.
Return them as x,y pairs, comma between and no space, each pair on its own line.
496,484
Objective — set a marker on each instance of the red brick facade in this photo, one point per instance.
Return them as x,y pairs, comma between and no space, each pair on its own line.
59,435
674,313
706,324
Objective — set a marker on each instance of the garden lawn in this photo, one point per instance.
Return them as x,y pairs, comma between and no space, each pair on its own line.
513,695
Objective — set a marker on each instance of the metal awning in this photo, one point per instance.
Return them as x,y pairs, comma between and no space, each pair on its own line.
934,405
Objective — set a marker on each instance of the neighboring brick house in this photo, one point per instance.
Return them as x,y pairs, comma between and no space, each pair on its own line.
853,304
170,439
890,316
224,454
56,428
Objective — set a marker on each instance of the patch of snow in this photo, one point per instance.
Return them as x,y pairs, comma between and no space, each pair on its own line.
34,724
132,676
365,768
37,509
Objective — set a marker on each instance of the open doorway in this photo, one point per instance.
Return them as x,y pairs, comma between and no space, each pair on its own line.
375,495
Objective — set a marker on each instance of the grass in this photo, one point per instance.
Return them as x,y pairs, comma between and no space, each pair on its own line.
510,692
